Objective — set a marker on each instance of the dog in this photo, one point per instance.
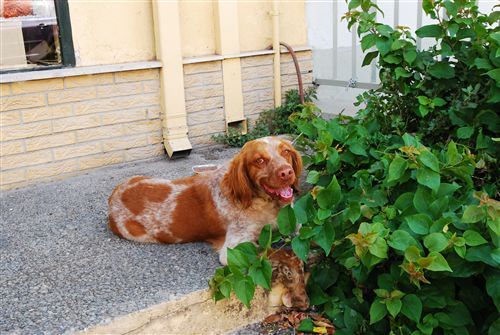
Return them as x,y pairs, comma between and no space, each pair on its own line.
288,280
223,207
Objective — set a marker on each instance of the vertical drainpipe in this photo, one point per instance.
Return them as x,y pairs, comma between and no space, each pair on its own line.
277,56
169,52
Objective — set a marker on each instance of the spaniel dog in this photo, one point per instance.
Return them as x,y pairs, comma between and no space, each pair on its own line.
224,207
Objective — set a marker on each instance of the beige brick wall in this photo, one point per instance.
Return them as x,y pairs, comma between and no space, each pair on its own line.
58,127
204,91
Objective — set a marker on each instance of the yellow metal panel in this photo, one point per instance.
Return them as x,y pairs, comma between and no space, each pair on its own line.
228,42
169,51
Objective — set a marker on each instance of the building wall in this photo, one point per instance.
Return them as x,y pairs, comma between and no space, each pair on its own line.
110,32
57,127
54,128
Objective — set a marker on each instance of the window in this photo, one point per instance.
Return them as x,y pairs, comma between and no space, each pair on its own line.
35,35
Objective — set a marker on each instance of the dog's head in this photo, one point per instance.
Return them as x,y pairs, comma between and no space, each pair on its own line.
268,166
288,282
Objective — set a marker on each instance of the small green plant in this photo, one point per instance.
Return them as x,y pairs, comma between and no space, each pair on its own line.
270,122
405,214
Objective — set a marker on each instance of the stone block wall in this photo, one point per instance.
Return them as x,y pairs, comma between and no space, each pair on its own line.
205,91
257,76
57,127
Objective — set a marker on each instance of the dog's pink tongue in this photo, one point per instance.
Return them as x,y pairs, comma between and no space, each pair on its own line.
286,193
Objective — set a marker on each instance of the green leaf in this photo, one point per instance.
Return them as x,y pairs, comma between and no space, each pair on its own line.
384,30
369,58
306,325
412,307
353,4
394,306
383,45
313,177
439,263
357,149
401,240
400,72
423,100
429,160
244,290
452,154
265,236
330,196
378,248
326,237
261,274
494,74
412,253
441,70
237,258
481,254
436,242
429,178
368,41
422,199
473,214
225,288
398,44
410,56
286,220
482,63
324,214
300,248
353,212
438,102
419,223
431,30
473,238
495,326
304,208
391,59
493,288
397,168
465,132
377,311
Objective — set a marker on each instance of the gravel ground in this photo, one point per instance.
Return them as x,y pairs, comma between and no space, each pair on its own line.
61,270
260,329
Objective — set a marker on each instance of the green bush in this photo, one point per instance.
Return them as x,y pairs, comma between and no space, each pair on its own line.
402,211
270,122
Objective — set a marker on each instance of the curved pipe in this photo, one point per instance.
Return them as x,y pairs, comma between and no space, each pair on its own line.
297,69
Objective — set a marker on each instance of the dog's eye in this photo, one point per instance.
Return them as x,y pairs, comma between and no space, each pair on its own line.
286,152
260,161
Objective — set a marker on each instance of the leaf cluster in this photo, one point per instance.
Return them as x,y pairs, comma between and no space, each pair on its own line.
402,202
273,121
450,89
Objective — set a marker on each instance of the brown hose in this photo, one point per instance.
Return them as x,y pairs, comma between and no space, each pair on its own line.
297,69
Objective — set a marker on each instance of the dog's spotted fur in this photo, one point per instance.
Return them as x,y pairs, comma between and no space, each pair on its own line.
223,207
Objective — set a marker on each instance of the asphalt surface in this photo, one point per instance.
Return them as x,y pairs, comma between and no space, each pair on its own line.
62,270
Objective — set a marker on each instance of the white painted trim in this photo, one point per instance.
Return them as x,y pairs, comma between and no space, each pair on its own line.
76,71
212,58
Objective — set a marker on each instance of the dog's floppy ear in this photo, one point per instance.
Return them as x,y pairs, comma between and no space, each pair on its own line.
237,182
297,166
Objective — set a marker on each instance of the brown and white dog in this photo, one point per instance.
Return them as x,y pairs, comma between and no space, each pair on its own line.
223,207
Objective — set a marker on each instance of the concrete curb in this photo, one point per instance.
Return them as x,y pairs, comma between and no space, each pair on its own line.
195,313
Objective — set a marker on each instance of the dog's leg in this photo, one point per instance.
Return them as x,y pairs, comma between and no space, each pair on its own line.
233,238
